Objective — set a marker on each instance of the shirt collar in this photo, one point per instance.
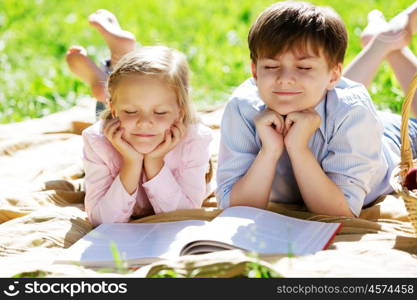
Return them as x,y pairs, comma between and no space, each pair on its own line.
321,110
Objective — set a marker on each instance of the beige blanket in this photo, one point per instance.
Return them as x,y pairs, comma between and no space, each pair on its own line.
42,212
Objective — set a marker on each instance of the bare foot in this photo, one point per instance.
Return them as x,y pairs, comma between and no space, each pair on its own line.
411,13
376,23
387,36
118,40
85,69
396,35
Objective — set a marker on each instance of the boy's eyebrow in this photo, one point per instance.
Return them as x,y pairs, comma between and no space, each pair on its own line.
267,58
300,57
305,57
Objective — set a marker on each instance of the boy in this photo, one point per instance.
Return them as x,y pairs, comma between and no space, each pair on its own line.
297,131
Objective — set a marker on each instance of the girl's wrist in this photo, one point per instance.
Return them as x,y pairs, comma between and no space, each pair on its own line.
148,161
133,160
152,166
150,158
130,174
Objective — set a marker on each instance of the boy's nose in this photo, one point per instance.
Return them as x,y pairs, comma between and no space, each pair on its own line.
285,77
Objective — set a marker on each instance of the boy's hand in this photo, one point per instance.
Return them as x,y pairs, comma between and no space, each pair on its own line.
172,137
270,127
114,133
299,127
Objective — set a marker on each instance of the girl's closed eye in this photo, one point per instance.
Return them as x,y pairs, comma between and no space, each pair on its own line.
271,67
161,113
130,112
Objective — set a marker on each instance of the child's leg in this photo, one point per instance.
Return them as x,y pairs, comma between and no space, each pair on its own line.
84,68
410,14
376,23
402,61
382,38
118,40
365,65
404,64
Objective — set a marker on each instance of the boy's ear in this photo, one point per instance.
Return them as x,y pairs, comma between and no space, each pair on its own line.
336,73
253,70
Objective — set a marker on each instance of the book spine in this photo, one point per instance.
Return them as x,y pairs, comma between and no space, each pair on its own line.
338,229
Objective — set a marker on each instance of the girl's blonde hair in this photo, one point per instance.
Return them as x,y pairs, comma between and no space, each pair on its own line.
169,64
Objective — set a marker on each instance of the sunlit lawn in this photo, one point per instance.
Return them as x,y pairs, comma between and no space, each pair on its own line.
35,34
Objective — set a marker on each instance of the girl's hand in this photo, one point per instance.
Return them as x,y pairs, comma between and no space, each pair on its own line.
299,128
114,133
172,137
270,127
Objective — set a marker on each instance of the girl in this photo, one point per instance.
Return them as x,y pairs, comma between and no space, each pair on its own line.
147,154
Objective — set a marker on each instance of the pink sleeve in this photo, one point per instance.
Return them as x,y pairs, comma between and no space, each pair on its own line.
185,188
106,200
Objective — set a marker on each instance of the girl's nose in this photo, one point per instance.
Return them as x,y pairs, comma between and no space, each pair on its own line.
143,121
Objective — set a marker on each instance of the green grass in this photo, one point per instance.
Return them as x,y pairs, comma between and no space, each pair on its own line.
35,34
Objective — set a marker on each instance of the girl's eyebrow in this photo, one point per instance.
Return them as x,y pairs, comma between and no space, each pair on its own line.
132,105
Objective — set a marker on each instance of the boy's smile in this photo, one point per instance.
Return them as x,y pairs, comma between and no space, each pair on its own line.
284,93
292,81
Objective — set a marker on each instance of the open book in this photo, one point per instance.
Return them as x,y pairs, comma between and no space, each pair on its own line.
239,227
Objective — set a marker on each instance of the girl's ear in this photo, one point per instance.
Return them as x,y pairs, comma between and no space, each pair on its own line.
181,116
336,73
112,110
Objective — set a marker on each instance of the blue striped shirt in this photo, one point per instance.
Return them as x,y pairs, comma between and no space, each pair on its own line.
350,146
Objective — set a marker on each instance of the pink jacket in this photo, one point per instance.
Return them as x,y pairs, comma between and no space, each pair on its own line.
179,185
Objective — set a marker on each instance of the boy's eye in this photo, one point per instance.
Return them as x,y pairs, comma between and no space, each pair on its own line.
160,112
270,67
304,68
129,112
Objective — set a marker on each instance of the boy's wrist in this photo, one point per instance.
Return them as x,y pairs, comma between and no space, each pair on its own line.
298,152
270,154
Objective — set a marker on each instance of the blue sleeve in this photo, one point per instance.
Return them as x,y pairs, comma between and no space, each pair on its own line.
238,148
355,155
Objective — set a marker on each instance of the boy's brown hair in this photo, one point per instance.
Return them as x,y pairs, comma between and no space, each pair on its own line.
298,26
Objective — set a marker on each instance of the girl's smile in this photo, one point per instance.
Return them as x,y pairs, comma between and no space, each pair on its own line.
143,135
146,107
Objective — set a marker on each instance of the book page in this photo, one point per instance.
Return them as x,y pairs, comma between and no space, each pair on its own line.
147,241
267,232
